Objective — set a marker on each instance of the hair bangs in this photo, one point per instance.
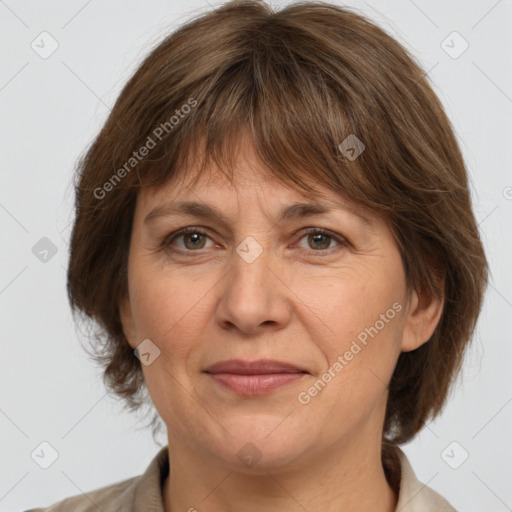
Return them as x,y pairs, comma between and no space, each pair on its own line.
291,113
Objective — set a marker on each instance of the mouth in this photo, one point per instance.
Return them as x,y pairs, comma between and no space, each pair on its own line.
251,378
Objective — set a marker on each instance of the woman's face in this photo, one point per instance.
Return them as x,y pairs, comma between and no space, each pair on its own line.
249,288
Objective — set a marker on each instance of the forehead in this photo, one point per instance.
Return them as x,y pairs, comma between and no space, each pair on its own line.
247,183
248,177
224,203
248,187
244,183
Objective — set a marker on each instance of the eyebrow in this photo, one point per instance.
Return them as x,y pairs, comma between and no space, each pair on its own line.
206,211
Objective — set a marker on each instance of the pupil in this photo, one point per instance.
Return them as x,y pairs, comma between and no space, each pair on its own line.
317,239
195,239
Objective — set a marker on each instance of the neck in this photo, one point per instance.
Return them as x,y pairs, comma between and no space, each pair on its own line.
349,478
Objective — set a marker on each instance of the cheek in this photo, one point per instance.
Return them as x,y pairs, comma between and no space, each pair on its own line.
359,363
170,308
348,304
358,317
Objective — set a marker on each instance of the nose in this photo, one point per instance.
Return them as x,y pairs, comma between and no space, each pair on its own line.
254,297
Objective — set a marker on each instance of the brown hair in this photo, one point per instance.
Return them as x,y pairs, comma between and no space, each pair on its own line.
301,80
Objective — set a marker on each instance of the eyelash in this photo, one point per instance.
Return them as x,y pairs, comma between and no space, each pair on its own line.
166,243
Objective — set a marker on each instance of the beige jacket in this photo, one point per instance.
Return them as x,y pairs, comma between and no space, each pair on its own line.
143,493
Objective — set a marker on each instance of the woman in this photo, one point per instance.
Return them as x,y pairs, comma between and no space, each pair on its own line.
274,231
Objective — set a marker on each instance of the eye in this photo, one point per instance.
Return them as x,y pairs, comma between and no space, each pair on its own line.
320,240
193,239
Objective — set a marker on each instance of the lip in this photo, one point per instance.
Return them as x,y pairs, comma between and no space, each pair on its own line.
259,367
250,378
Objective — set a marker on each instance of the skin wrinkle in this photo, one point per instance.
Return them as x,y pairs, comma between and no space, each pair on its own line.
324,79
295,307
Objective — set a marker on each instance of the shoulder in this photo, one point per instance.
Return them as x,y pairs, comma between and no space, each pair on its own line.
104,498
415,496
143,492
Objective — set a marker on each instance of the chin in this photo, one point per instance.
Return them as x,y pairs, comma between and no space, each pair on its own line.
262,446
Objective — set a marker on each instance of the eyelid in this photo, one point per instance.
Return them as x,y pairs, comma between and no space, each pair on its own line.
340,240
183,231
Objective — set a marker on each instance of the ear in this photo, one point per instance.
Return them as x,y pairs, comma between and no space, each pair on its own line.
423,315
126,316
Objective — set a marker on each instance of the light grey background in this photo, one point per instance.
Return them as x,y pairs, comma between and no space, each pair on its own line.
50,109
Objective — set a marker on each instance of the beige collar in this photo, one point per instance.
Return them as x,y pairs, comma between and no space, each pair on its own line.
144,492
